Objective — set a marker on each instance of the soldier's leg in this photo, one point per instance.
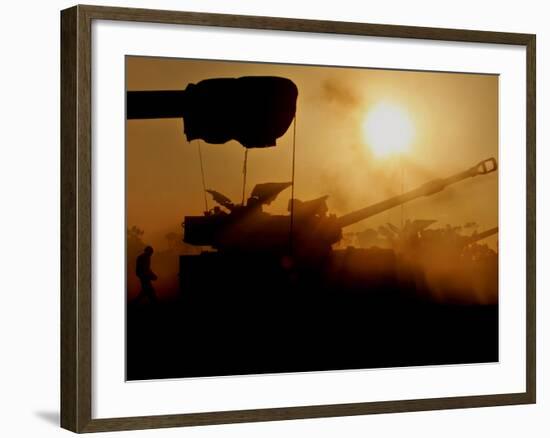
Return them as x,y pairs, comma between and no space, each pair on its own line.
150,290
142,293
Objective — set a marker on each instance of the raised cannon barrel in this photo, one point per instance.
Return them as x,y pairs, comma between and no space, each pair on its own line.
480,236
430,188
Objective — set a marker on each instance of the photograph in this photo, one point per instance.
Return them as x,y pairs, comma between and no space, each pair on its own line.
292,218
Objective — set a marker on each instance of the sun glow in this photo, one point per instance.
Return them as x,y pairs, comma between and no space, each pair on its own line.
388,129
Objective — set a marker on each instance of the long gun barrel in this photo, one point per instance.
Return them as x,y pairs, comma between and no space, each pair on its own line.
480,236
482,168
160,104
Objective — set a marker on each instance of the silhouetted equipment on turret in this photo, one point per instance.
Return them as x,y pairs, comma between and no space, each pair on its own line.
266,193
223,200
254,110
248,229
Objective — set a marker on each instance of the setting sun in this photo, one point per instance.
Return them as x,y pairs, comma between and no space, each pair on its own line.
388,129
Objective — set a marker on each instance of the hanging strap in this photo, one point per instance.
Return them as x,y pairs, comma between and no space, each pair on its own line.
202,176
244,173
292,187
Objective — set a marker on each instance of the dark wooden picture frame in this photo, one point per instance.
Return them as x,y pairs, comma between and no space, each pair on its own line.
76,218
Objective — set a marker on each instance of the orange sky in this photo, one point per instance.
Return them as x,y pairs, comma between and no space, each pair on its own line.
455,117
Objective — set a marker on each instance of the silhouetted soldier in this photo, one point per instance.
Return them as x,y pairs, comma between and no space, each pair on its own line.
146,275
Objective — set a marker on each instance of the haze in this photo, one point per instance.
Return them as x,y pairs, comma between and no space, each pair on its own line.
455,119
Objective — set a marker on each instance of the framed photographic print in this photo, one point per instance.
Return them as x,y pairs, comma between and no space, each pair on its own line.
267,218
